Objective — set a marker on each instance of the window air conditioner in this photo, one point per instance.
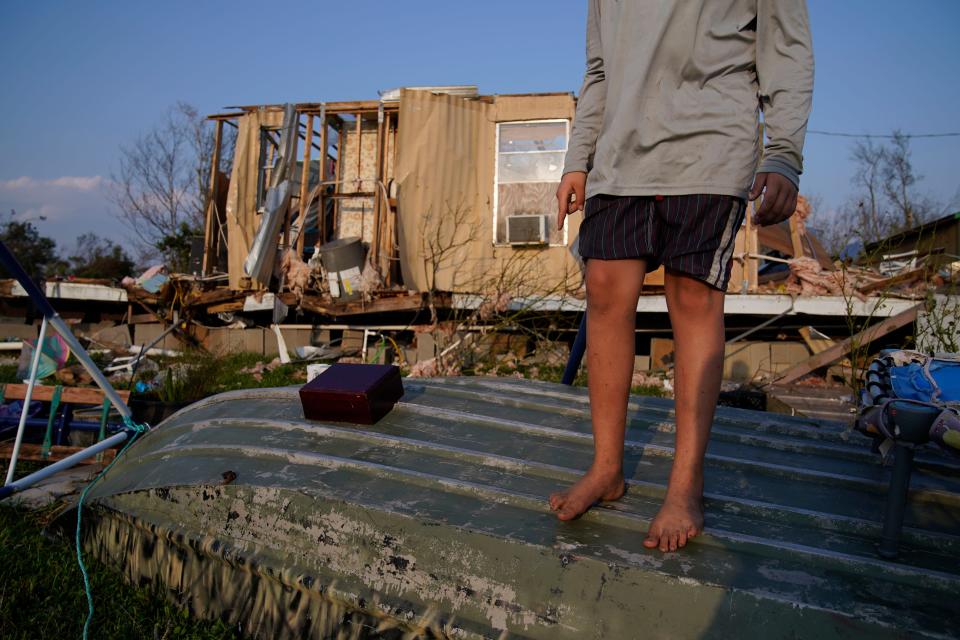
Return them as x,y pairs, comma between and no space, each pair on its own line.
527,229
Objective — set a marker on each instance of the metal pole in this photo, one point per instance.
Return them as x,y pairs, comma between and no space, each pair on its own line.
66,463
9,262
34,366
64,331
51,317
896,501
576,353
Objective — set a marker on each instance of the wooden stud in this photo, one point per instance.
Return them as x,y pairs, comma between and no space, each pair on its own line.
211,212
359,150
34,453
304,185
286,216
341,147
70,395
841,349
321,202
387,234
796,239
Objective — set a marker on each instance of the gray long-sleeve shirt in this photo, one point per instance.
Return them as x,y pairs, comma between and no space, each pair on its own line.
671,98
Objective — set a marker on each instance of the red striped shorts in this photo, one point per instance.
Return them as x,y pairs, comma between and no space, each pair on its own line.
691,234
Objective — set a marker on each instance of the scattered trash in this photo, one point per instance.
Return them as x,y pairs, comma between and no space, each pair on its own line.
73,376
151,280
257,370
313,370
53,354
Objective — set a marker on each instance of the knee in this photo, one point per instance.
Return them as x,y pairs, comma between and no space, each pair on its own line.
695,298
607,295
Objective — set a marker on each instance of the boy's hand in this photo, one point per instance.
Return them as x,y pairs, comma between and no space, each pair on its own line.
575,184
779,198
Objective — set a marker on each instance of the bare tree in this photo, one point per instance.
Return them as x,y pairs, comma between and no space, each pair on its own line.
161,187
898,177
885,200
869,210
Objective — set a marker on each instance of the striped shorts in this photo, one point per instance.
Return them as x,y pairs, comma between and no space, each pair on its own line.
691,234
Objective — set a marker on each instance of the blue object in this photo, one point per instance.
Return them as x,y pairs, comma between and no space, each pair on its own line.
911,381
576,353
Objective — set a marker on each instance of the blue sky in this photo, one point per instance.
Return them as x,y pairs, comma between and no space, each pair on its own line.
80,79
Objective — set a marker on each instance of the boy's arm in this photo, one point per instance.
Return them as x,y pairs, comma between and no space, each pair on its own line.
589,119
785,74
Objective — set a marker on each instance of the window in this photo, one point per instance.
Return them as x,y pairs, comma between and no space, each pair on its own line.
529,165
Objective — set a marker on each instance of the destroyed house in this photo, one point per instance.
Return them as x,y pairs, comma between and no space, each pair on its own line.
937,243
446,190
443,187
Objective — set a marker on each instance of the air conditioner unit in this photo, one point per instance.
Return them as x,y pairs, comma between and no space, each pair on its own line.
527,229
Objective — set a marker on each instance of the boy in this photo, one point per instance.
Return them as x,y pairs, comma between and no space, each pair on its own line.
665,146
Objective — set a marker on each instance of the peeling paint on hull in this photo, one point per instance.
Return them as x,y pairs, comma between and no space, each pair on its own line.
434,523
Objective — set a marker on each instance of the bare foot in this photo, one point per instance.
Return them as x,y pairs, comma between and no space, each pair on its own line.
592,488
679,519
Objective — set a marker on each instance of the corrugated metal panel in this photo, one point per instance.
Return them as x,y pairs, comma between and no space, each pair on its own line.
445,175
437,516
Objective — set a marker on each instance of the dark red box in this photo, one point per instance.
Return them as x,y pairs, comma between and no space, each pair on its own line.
361,393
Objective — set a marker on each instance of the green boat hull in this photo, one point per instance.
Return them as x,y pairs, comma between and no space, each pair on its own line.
434,522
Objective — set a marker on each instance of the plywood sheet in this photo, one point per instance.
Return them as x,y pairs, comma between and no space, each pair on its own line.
241,215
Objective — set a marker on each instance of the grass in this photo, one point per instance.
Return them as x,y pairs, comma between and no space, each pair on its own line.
42,596
8,373
41,589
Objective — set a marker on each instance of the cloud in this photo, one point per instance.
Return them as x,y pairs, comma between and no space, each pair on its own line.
80,183
62,208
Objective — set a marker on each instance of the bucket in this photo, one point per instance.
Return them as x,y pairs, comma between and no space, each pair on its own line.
343,260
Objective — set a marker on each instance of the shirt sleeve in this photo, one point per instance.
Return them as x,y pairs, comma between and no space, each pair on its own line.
785,74
589,114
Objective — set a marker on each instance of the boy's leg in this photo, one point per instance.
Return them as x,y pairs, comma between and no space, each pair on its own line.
613,287
696,315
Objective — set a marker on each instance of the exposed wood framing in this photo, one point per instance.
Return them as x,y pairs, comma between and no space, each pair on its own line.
403,302
305,184
286,217
34,453
841,349
339,176
359,146
321,201
73,395
212,216
796,239
900,278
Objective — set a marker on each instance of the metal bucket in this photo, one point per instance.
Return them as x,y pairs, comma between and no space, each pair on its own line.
343,261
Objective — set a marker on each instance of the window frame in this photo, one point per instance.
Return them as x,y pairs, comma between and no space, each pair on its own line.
496,173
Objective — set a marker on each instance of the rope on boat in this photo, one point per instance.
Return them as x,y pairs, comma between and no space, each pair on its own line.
137,429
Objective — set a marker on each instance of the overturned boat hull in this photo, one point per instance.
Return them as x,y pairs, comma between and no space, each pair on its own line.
434,522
